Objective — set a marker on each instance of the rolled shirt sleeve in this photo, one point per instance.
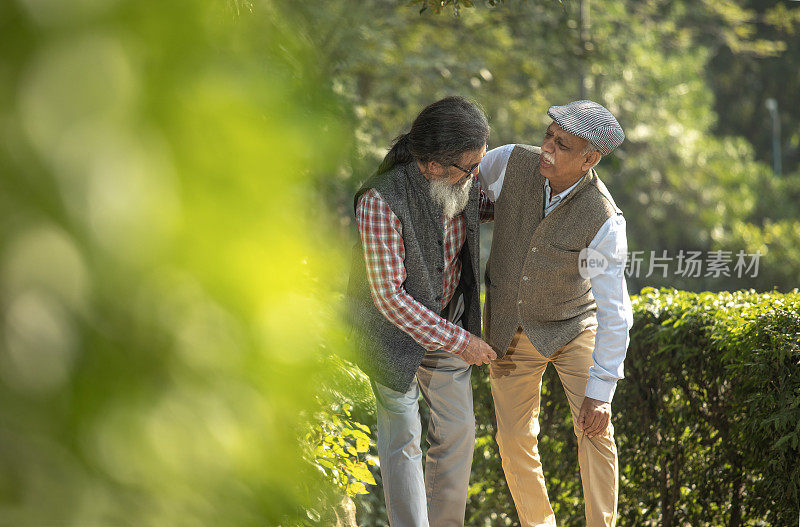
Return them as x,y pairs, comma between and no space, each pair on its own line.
493,170
614,312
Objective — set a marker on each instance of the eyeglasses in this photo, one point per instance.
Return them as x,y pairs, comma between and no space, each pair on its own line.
470,172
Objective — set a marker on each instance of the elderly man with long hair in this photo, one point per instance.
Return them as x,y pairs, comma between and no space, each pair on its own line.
415,296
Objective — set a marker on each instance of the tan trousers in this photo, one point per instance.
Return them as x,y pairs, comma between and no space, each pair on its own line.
516,381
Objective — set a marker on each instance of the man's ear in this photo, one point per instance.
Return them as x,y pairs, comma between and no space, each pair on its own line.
591,160
432,169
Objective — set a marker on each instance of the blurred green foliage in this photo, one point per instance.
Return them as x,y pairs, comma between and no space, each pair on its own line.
708,415
166,285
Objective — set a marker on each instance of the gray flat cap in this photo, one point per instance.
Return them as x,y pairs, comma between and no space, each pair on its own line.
591,121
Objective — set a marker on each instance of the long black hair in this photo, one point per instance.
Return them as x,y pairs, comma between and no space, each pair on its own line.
442,132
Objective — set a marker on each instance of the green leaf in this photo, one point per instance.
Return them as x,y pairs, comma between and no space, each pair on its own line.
356,488
361,472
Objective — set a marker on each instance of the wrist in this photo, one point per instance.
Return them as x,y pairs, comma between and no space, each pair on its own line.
462,338
600,390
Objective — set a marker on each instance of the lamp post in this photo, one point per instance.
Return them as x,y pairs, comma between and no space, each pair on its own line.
586,45
772,106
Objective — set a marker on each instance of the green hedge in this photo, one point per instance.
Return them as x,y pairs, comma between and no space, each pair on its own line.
707,420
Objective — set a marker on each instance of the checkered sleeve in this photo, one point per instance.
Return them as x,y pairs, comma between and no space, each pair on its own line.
382,239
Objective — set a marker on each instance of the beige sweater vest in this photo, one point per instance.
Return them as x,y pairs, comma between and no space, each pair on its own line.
532,277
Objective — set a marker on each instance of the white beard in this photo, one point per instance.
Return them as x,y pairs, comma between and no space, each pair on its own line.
452,198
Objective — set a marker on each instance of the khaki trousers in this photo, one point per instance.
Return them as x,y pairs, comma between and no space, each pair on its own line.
516,382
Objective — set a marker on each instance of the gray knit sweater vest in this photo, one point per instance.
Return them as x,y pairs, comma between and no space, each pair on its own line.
532,277
386,353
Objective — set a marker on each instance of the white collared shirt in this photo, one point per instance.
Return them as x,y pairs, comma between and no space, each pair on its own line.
614,312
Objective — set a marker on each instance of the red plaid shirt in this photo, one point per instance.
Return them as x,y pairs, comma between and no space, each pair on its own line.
382,239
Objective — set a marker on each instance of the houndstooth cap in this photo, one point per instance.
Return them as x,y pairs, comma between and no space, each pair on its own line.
591,121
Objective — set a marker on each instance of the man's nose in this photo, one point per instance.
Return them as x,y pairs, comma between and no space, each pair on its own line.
547,146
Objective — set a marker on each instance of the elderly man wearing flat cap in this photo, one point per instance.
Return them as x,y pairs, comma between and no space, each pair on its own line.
556,294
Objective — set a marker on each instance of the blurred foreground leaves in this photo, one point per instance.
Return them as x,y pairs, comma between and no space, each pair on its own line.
165,285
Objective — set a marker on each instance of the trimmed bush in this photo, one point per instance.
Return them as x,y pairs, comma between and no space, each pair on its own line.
708,418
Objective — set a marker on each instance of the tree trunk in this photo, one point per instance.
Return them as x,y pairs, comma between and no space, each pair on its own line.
346,513
675,484
671,488
736,498
666,506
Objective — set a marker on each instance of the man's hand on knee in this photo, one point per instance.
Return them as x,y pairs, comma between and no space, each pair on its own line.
594,416
478,352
